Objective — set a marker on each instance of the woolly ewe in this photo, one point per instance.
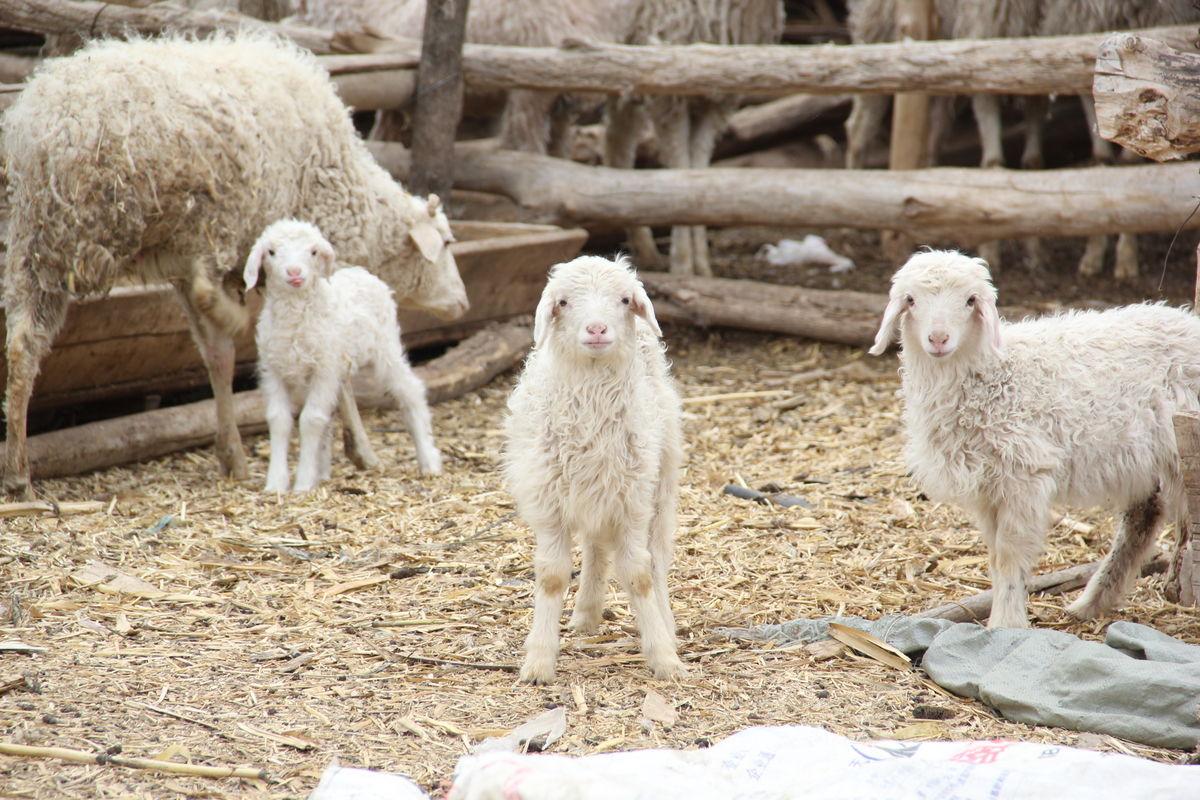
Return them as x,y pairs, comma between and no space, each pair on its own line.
163,160
1006,420
318,329
593,451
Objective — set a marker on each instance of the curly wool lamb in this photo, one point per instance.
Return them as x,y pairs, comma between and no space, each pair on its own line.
1006,420
593,450
319,328
163,160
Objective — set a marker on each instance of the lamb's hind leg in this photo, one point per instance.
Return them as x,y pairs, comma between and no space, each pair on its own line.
589,600
33,319
211,319
354,434
1139,527
409,393
635,569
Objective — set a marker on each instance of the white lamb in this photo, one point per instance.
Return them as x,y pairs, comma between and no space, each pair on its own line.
1006,420
317,330
593,450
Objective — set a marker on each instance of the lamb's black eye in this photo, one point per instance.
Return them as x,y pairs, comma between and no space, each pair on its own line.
270,252
908,298
971,301
562,303
314,251
625,300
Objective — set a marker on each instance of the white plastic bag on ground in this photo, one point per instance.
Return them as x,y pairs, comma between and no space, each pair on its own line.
803,763
812,250
347,783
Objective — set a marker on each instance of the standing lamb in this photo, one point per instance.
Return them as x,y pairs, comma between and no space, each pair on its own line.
686,128
1006,420
593,450
163,160
318,329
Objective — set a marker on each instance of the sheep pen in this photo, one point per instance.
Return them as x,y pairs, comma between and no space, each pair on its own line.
380,619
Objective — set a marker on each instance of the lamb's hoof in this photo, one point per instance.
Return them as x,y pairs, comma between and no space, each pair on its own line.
276,487
586,625
672,667
18,487
1084,608
538,671
432,466
1001,621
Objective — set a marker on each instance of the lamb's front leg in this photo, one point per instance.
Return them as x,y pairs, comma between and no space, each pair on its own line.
314,427
636,572
551,572
1020,534
279,424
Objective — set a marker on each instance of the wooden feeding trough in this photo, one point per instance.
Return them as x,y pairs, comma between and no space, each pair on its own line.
135,340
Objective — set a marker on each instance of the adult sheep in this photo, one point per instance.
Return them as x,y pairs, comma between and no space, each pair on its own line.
164,160
1006,420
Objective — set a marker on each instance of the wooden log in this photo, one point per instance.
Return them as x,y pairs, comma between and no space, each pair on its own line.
139,437
775,117
95,20
965,205
439,97
1183,575
910,115
1148,96
978,607
1036,65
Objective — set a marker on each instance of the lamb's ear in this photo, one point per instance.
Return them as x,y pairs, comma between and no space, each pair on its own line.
326,257
642,307
990,318
887,328
428,239
542,318
254,264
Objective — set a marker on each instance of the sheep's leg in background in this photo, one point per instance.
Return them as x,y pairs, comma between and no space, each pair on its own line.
525,123
987,119
219,354
279,424
408,392
562,120
624,119
1139,527
863,125
1126,268
705,126
635,570
593,577
1034,108
552,572
33,319
1017,541
315,418
672,123
1092,261
354,435
941,119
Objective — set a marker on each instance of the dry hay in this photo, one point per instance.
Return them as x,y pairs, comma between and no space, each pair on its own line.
290,632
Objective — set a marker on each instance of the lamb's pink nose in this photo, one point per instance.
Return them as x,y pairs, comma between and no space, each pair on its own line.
293,272
938,338
597,329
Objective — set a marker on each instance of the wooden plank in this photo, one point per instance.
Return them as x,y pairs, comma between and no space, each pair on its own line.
1035,65
1147,97
439,97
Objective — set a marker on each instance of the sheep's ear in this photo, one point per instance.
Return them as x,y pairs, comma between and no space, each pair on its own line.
990,318
326,256
542,318
887,328
254,264
428,239
642,307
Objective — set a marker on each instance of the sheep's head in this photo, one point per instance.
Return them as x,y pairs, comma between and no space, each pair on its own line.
293,254
941,302
439,288
591,308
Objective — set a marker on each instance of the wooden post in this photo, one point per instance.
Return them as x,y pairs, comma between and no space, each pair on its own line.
1183,572
910,115
439,97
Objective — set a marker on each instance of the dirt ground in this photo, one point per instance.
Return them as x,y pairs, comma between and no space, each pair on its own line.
282,634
